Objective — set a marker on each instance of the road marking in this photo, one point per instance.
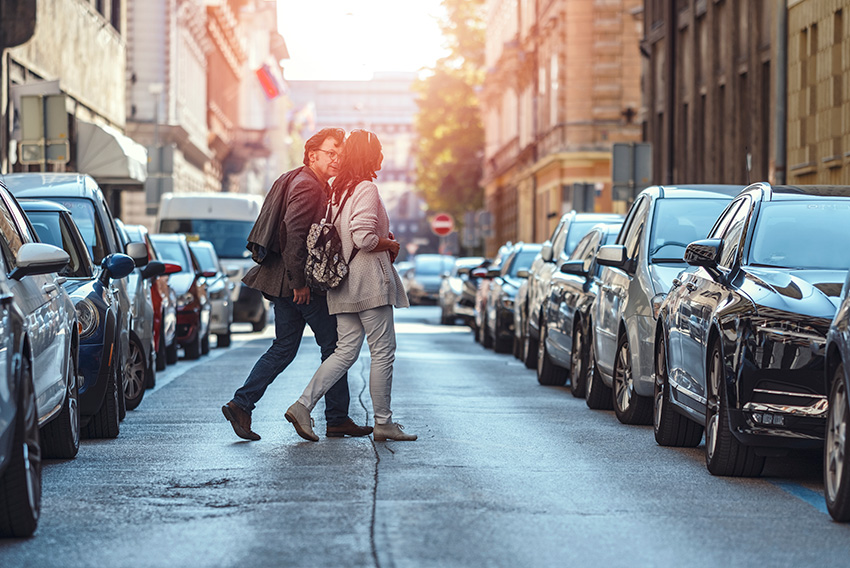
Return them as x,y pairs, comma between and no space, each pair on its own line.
810,496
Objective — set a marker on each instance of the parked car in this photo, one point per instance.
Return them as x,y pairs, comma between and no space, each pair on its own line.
451,298
836,473
140,369
423,280
20,445
638,271
164,302
219,289
80,194
499,328
97,314
564,348
740,341
484,276
193,306
51,326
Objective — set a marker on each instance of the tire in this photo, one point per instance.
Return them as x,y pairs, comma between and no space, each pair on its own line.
670,427
484,335
629,407
502,343
205,344
161,357
171,354
193,349
548,373
20,484
578,363
597,394
836,477
444,316
223,339
517,347
529,351
106,422
724,454
60,438
135,375
260,324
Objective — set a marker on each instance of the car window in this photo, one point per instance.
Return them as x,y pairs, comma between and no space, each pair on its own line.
51,229
559,239
632,237
521,261
581,247
578,229
206,258
732,236
82,210
229,237
630,218
723,220
173,252
12,238
776,238
679,222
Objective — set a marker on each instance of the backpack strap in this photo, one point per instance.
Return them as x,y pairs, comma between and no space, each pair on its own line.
339,211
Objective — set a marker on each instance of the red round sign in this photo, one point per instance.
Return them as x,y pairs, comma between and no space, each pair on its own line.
442,224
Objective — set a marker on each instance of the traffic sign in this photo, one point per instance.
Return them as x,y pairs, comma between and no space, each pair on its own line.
442,224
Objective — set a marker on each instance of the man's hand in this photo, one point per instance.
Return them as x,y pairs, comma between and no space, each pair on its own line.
302,295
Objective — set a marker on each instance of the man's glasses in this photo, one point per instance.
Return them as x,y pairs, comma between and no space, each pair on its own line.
331,154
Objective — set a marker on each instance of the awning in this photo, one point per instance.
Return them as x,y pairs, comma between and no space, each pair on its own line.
109,156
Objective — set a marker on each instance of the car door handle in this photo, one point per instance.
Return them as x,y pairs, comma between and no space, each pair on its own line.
48,288
676,283
691,286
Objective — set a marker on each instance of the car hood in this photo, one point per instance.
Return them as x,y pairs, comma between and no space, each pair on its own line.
181,282
809,292
662,275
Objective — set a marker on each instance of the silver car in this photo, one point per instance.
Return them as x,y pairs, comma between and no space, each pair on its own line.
637,273
219,291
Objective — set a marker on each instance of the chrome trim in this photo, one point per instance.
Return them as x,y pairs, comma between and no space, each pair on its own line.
816,410
782,393
686,392
787,334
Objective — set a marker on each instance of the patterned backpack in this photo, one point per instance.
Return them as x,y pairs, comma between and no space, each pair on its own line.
326,266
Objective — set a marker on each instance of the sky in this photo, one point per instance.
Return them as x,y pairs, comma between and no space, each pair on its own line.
352,39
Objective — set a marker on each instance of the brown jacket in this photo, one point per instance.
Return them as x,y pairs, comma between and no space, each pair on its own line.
303,201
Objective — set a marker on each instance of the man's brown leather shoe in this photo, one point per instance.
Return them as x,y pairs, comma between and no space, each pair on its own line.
240,420
348,428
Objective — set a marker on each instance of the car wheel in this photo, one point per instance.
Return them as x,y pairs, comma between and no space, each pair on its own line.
205,344
135,373
529,351
20,484
161,357
517,347
171,354
223,339
578,363
724,454
597,394
836,477
548,373
502,342
671,428
106,422
60,438
629,407
193,349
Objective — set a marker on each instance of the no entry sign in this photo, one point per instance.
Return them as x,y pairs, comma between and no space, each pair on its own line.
442,224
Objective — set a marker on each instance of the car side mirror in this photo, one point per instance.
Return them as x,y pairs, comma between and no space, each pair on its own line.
153,269
522,273
705,253
546,252
479,272
138,252
209,273
39,258
612,255
116,266
493,272
171,268
574,267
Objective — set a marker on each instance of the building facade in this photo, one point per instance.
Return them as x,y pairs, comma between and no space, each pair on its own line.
562,86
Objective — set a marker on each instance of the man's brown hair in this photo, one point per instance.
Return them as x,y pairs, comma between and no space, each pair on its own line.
317,139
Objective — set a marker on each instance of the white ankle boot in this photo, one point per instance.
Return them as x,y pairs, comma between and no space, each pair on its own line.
391,431
299,416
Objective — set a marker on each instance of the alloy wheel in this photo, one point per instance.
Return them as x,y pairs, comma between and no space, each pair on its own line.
713,406
836,432
660,380
623,380
577,375
135,373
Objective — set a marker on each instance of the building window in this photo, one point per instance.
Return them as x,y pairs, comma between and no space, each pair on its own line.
115,15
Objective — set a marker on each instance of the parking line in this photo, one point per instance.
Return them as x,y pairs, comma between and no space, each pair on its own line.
810,496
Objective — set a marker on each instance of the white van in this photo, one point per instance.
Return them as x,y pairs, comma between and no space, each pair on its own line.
224,219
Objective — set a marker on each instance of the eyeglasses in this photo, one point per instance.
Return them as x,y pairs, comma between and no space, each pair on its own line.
331,154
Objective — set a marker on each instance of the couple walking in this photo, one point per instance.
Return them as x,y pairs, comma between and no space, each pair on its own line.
361,306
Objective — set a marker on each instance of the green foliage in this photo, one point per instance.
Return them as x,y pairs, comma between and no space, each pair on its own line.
450,144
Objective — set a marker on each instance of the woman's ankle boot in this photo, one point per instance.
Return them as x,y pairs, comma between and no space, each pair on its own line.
391,431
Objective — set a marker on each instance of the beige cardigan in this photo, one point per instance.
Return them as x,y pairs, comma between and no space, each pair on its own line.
372,279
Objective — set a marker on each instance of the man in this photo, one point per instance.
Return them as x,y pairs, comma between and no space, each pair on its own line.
278,242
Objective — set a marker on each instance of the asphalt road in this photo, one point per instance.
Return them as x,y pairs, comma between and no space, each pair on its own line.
505,473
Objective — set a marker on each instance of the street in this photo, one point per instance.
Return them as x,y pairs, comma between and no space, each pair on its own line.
505,473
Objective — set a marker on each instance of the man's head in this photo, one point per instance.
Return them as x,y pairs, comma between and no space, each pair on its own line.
322,150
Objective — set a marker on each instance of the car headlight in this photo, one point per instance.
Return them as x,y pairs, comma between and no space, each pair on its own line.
87,317
185,299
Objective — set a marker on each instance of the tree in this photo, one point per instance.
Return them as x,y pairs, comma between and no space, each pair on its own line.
450,145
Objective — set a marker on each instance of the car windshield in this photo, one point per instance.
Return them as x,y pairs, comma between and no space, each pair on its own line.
578,229
227,236
433,265
205,258
86,220
777,239
679,222
173,252
522,261
51,230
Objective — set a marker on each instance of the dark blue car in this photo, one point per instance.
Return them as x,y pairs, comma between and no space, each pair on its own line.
97,313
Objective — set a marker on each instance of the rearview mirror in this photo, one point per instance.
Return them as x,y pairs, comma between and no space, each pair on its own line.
574,267
153,269
39,258
479,272
138,252
612,255
522,273
703,253
546,252
116,266
171,268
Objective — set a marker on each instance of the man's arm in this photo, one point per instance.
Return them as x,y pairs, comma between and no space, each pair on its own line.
302,208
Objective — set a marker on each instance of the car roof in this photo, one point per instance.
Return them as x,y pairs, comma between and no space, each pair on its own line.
202,244
599,217
794,192
178,237
705,191
41,205
36,184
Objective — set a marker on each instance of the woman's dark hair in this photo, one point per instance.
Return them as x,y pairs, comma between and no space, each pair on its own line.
317,139
361,158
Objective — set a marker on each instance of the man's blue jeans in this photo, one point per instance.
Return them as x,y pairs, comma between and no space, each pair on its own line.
289,321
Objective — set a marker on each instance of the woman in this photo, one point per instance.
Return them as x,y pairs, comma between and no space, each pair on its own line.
364,301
